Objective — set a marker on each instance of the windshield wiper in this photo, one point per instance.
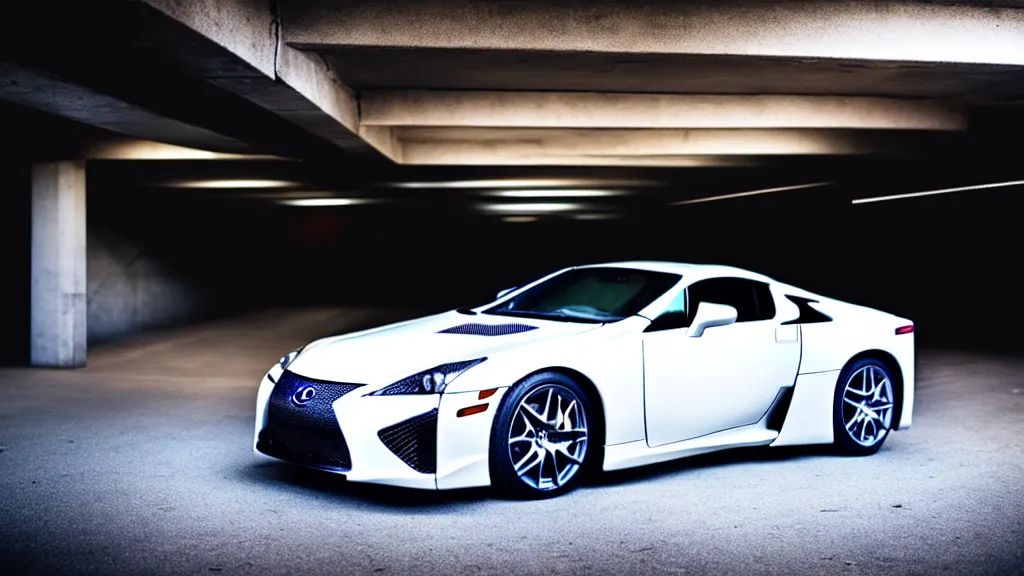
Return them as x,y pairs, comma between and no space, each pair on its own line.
569,312
555,315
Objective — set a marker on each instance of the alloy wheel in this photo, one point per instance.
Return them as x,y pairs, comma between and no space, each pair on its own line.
547,442
867,405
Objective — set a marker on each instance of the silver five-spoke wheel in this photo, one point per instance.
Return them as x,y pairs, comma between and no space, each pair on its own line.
867,405
547,442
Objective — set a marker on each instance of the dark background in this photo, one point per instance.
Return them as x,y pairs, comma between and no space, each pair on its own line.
160,257
948,262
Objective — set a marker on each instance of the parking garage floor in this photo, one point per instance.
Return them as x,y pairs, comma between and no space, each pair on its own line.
141,463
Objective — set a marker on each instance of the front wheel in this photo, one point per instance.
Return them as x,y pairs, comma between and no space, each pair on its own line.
863,407
541,438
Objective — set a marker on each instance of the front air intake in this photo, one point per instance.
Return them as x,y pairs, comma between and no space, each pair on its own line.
414,441
302,426
475,329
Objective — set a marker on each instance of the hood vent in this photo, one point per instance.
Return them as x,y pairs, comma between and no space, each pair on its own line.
474,329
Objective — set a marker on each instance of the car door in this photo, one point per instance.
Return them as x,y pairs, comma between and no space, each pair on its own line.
725,378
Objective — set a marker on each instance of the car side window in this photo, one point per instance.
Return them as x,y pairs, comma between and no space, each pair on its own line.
674,316
752,299
678,304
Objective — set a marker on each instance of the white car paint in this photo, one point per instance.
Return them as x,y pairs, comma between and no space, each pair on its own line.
725,379
663,394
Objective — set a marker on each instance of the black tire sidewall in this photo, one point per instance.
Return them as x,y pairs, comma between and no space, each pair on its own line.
843,442
503,474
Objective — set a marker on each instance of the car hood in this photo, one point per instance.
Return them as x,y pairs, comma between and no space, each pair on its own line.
386,354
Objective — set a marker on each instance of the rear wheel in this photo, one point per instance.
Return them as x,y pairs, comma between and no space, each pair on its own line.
863,408
541,437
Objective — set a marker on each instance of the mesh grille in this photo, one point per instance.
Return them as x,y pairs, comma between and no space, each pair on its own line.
414,441
308,434
476,329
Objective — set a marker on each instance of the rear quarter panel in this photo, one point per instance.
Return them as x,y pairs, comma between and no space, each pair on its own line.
853,330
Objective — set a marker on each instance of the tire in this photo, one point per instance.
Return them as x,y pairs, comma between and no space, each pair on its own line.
565,453
863,408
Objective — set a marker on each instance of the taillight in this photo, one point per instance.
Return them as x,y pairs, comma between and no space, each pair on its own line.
908,329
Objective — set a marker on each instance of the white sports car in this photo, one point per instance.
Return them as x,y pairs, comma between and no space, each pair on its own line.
598,367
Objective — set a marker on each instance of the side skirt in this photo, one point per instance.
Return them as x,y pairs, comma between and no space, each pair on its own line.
637,453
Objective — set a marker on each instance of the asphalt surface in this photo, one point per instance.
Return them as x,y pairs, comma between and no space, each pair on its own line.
141,464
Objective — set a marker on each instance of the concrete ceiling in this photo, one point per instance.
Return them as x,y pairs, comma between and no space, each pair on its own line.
525,83
383,67
128,67
602,82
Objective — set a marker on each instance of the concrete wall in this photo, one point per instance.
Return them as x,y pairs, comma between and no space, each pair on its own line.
163,258
130,290
135,282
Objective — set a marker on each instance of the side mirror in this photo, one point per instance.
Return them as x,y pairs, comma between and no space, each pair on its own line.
506,292
709,315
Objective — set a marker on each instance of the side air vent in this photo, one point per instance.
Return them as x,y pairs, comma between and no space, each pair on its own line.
779,409
474,329
808,315
414,441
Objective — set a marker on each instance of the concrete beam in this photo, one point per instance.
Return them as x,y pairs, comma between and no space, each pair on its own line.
248,28
297,85
419,154
47,93
384,139
58,308
613,110
887,31
576,146
134,68
331,110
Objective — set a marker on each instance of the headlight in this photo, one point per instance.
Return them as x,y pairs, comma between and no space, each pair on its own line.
432,381
287,359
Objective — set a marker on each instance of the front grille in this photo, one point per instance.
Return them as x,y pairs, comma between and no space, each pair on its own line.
306,431
476,329
414,441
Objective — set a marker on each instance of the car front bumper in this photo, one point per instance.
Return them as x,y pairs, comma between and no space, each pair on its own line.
413,441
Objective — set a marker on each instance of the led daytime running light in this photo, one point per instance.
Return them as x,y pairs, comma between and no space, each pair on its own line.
433,381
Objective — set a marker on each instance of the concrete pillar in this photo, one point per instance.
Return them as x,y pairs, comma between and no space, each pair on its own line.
58,265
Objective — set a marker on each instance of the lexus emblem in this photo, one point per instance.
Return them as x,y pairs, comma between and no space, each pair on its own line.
303,395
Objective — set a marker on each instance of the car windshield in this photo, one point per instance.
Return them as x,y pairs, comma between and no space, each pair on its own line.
591,295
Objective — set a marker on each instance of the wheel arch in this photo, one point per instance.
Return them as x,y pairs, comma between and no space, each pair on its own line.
893,365
588,387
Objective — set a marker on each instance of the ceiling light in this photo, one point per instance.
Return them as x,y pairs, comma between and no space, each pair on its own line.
523,183
532,207
595,216
751,193
519,219
130,149
557,193
232,184
934,192
322,202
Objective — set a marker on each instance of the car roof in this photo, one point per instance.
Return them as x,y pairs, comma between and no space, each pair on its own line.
691,271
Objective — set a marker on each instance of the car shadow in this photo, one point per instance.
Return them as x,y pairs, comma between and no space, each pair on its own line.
336,487
407,500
